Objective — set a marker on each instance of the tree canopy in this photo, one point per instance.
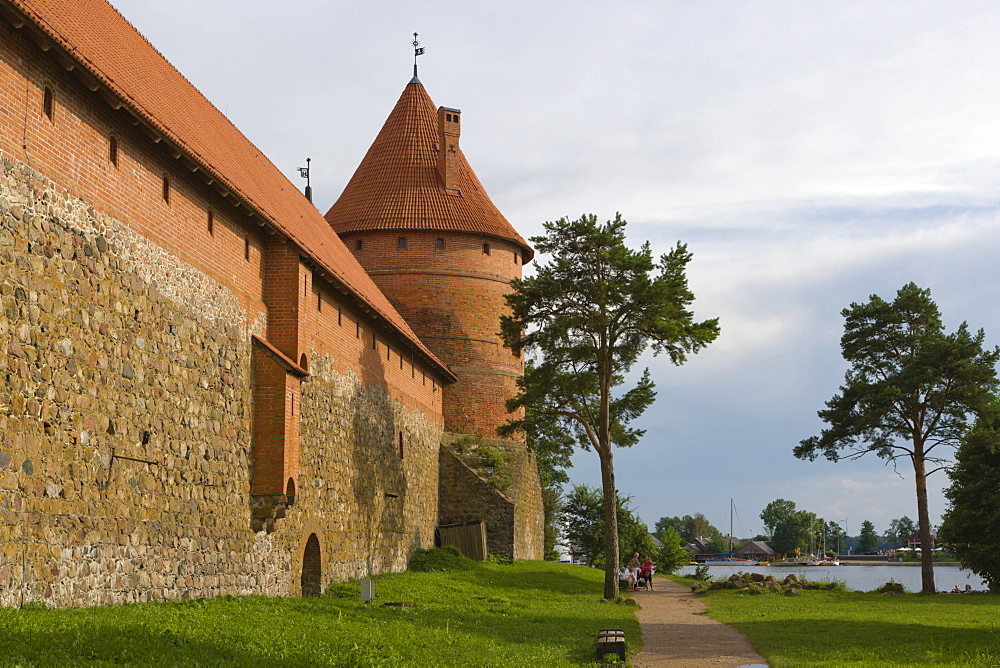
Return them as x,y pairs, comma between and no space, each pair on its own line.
789,528
867,539
586,316
688,527
671,556
910,392
583,517
971,525
899,531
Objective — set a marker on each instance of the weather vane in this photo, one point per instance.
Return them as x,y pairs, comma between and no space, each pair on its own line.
417,51
304,173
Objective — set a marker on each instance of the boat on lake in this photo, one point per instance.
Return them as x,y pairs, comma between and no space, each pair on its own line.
722,559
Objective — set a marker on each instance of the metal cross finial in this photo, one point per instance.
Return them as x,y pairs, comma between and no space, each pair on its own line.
417,51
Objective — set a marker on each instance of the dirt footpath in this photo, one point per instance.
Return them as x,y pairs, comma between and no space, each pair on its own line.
677,632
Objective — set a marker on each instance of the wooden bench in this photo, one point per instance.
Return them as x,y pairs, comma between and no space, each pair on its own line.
610,641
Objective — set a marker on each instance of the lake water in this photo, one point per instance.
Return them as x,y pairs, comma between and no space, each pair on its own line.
864,578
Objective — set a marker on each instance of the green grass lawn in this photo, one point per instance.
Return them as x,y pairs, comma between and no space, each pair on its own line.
829,628
528,613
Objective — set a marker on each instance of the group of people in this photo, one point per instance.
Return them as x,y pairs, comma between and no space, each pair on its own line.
637,575
958,590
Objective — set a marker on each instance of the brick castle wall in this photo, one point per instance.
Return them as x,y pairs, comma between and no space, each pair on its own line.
126,405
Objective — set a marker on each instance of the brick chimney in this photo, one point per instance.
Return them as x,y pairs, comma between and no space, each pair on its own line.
448,133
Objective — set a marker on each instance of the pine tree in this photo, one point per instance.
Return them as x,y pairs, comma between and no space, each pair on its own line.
588,314
910,392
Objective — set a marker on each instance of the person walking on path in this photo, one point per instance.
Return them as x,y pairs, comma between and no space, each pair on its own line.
635,566
677,633
647,572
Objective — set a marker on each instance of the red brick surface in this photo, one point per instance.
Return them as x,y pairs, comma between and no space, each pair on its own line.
116,60
453,297
273,285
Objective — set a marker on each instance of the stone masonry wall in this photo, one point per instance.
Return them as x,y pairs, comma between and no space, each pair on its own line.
374,506
125,411
467,497
125,415
512,509
529,517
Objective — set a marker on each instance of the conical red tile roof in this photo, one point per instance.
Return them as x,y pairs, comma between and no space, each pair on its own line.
397,187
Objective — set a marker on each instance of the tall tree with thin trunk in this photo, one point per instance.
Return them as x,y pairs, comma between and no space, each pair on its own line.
587,315
911,392
867,539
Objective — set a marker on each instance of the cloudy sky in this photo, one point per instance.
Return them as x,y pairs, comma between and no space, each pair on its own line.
810,154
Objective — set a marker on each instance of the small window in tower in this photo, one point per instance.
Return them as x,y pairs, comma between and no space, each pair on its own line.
516,258
340,316
319,302
439,244
448,117
166,189
401,242
374,341
388,353
400,445
113,150
246,248
211,223
486,249
47,102
358,244
357,330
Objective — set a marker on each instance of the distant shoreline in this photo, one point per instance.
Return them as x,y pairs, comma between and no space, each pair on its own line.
868,562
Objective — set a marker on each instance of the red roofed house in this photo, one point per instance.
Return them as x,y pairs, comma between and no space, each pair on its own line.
205,391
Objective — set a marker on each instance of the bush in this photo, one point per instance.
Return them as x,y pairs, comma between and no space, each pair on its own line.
671,555
891,587
440,559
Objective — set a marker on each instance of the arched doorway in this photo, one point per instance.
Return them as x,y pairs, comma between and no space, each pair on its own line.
311,568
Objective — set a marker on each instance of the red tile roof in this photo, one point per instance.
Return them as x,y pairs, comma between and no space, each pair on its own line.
397,187
107,46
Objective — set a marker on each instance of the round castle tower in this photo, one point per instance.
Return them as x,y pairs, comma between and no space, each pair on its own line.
421,224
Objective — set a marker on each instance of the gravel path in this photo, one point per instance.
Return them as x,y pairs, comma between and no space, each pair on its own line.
677,632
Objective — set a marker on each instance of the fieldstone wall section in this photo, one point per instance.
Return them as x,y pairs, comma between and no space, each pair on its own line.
466,497
514,517
374,506
125,414
529,516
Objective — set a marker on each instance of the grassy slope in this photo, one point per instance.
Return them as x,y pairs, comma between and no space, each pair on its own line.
846,629
529,613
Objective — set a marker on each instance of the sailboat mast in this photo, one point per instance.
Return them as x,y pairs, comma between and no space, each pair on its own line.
730,525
